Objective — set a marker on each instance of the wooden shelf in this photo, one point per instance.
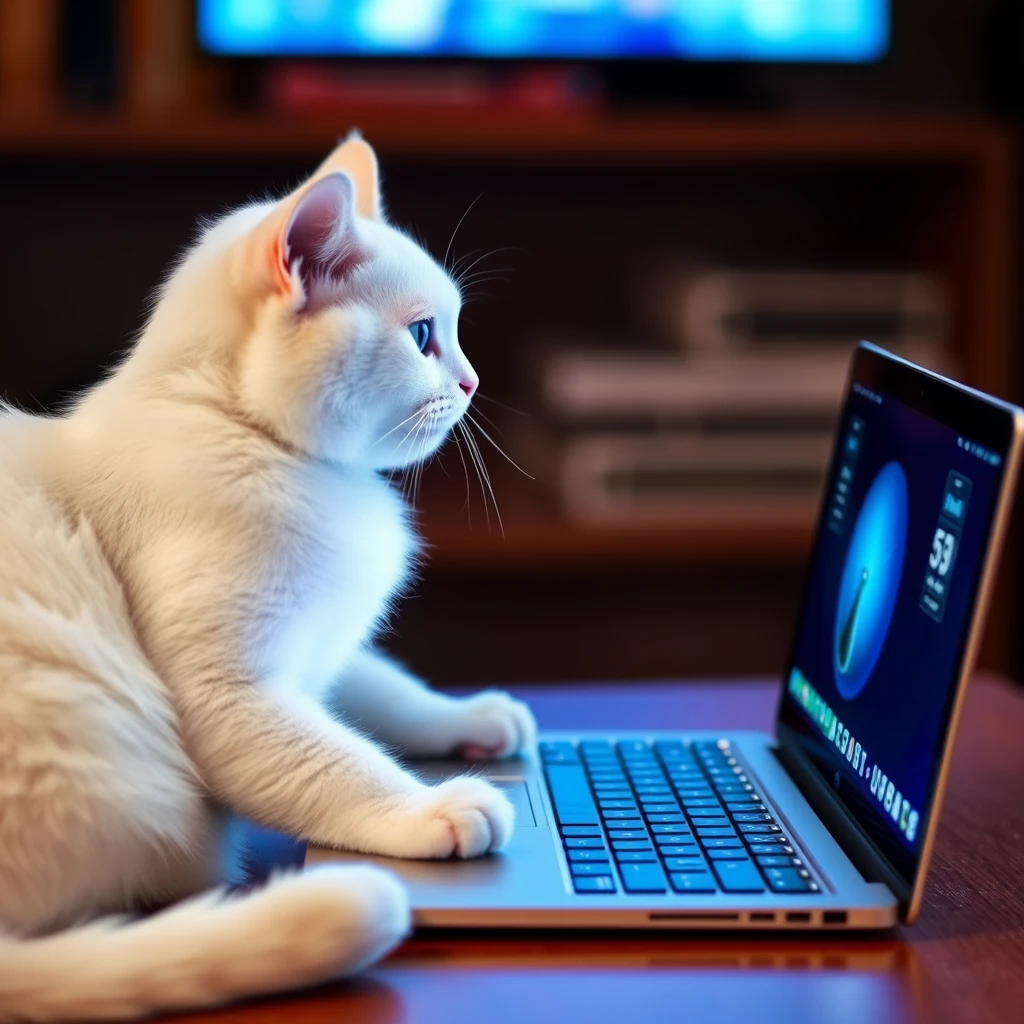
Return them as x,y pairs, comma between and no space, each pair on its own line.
513,136
554,543
537,536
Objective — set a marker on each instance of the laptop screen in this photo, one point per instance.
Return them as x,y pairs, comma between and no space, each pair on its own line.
908,508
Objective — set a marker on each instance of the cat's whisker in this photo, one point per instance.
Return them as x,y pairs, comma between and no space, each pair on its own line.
393,429
465,469
476,467
483,278
501,405
464,258
416,464
415,426
487,481
487,271
394,451
500,450
451,241
417,479
493,252
488,419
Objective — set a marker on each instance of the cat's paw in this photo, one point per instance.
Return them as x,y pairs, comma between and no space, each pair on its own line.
463,817
495,725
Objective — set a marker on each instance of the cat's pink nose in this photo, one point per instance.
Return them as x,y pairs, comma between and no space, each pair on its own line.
469,386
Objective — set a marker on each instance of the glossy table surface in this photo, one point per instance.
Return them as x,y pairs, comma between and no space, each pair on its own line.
962,961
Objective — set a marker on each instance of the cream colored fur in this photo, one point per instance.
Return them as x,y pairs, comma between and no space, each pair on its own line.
193,563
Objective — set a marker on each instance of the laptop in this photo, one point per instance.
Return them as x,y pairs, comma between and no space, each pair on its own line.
828,821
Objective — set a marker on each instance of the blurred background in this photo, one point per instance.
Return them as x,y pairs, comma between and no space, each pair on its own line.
675,218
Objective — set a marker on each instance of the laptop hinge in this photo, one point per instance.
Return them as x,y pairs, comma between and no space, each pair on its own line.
852,839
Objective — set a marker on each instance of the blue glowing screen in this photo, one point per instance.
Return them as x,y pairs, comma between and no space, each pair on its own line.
756,30
891,586
870,580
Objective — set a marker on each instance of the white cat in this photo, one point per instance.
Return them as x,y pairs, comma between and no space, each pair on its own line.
193,562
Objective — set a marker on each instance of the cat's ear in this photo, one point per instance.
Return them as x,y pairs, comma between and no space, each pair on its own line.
309,237
319,239
356,158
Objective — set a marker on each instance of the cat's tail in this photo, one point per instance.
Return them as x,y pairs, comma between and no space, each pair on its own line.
299,930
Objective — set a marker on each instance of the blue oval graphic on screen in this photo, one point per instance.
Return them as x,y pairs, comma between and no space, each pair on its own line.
871,580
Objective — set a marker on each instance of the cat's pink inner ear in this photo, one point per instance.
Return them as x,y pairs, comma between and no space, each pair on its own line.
356,158
318,237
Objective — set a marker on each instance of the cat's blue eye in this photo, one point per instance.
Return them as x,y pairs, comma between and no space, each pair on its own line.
421,332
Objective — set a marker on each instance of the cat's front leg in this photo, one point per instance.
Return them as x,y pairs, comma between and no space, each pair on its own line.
280,760
380,697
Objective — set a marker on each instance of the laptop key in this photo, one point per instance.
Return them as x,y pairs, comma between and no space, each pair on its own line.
615,815
643,878
707,821
774,848
752,817
636,856
627,833
633,747
580,830
570,794
693,882
685,864
678,850
738,854
625,823
710,843
671,748
617,805
670,828
584,844
779,861
789,880
715,833
771,837
590,868
661,808
631,844
557,750
665,819
594,884
744,806
675,838
738,875
587,855
750,828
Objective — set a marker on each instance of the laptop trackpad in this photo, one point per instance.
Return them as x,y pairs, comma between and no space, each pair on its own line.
503,776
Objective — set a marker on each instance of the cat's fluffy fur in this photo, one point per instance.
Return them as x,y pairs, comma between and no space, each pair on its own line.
192,564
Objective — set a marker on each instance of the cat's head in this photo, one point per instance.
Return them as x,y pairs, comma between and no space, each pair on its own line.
351,350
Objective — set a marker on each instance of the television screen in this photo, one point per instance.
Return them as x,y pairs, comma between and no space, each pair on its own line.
847,31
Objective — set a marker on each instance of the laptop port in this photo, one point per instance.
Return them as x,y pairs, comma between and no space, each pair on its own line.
760,916
834,917
798,917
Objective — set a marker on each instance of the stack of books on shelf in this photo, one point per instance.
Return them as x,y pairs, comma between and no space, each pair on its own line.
720,431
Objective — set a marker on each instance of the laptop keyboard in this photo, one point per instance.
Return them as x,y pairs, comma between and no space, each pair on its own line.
641,818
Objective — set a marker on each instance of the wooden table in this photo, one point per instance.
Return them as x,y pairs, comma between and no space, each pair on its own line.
962,961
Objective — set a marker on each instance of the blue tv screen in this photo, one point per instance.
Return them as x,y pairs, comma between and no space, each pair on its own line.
832,31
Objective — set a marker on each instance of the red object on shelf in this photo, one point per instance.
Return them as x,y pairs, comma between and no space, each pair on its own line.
315,89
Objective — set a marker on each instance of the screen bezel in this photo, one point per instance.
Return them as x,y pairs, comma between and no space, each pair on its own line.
364,59
989,422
